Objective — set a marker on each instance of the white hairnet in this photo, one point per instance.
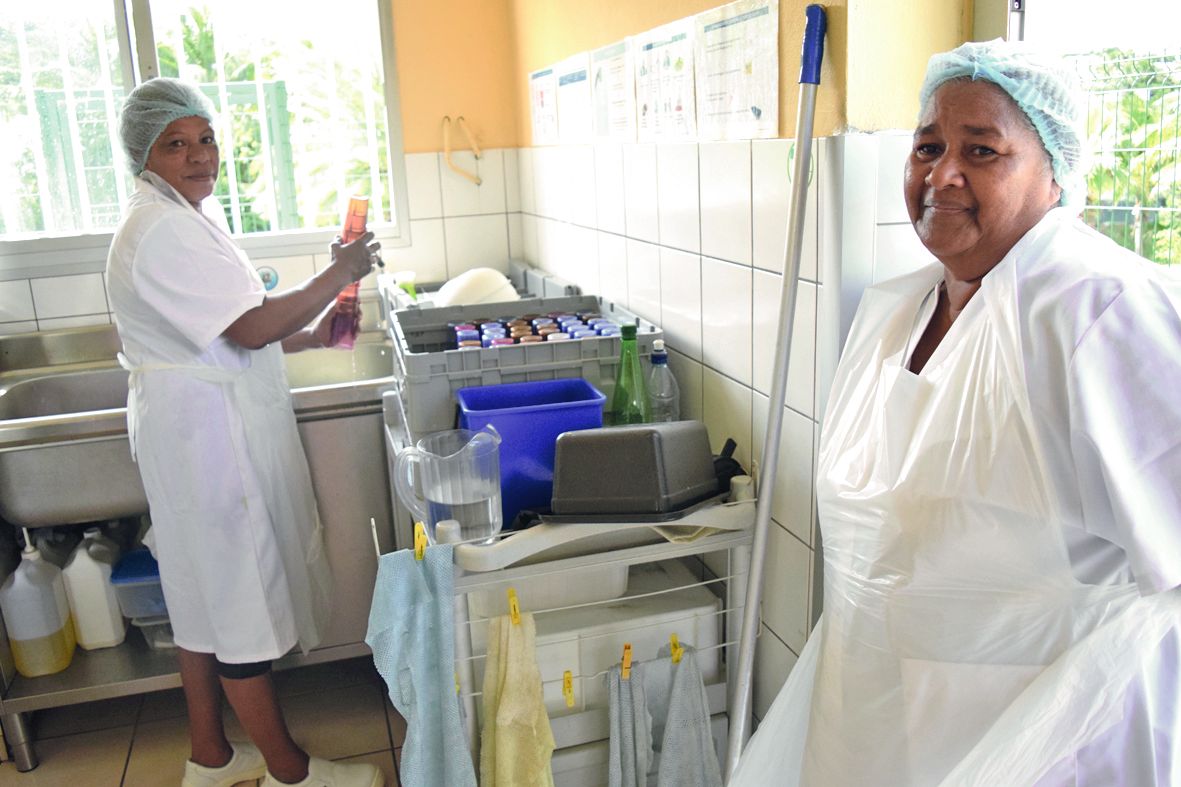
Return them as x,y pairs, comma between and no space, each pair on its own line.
149,109
1045,90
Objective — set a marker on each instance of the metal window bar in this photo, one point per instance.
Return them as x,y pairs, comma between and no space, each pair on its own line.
1134,129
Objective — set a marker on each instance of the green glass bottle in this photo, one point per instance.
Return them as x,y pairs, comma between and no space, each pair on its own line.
629,401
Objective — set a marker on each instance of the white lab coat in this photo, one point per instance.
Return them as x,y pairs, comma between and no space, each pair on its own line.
1002,537
237,533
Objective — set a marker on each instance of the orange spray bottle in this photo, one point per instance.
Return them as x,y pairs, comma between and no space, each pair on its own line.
346,321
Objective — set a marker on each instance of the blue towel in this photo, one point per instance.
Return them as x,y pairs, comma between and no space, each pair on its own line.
413,641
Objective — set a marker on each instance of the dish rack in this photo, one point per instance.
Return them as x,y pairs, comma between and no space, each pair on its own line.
637,586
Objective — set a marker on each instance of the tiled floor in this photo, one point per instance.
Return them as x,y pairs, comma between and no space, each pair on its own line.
338,711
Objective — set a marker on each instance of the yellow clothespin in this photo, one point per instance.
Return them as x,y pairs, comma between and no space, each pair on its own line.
568,688
514,609
677,650
457,683
626,671
419,541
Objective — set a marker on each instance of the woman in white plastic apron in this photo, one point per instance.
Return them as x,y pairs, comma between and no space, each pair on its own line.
209,413
999,480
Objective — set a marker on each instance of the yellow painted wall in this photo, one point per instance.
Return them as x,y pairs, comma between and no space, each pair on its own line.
547,31
889,45
473,58
456,57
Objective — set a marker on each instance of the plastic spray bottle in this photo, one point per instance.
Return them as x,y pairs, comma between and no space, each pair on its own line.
345,321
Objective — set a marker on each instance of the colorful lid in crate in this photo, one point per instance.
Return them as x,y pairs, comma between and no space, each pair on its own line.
137,566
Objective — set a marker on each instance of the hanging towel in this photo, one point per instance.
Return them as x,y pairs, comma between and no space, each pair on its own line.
413,641
660,733
630,744
516,742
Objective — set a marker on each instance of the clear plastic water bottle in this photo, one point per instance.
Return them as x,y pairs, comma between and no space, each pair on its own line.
663,393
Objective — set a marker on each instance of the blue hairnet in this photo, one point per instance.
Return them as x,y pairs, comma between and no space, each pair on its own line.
149,109
1045,90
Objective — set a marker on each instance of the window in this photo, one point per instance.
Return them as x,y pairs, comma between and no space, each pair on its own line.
306,108
1134,140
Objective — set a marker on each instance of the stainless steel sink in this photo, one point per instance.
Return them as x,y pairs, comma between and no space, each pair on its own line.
64,454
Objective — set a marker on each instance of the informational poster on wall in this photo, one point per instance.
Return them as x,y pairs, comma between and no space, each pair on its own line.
613,92
665,103
543,105
574,100
737,64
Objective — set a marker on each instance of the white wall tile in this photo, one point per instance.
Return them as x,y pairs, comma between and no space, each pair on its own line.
529,245
725,201
423,187
16,301
893,151
609,191
551,245
580,183
828,343
512,179
613,267
643,280
426,254
547,182
525,158
640,197
476,242
516,237
679,211
726,406
582,264
680,301
897,250
69,296
462,197
773,663
792,502
291,271
80,321
726,317
690,380
25,326
771,171
786,586
801,374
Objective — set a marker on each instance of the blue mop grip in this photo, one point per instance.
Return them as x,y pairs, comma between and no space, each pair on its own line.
813,51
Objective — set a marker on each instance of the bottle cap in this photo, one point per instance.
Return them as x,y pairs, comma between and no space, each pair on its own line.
658,346
628,331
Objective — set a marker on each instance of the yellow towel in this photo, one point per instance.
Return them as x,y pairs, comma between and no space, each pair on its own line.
516,741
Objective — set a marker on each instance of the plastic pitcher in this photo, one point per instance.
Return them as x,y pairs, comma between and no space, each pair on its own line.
458,473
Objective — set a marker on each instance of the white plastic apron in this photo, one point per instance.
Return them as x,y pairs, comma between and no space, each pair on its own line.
261,396
956,647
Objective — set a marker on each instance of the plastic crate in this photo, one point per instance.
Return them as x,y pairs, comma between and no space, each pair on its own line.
430,374
137,585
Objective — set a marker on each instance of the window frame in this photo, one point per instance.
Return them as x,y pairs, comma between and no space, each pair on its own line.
86,252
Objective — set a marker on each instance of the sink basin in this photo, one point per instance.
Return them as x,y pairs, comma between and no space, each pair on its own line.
64,454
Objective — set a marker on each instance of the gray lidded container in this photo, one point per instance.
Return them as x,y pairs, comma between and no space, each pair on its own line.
640,469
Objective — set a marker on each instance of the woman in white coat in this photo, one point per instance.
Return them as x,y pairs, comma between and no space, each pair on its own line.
999,480
209,415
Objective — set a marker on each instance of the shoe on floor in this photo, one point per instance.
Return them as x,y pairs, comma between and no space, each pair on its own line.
324,773
245,765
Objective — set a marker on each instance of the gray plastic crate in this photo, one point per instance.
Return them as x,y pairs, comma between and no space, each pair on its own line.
430,374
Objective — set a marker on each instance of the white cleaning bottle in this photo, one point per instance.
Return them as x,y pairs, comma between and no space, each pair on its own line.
93,602
37,615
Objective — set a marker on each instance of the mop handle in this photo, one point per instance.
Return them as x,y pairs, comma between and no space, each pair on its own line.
740,698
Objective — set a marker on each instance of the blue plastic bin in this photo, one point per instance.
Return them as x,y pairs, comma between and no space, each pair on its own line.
529,417
136,578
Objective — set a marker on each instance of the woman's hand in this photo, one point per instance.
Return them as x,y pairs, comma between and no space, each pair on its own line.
357,258
321,327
